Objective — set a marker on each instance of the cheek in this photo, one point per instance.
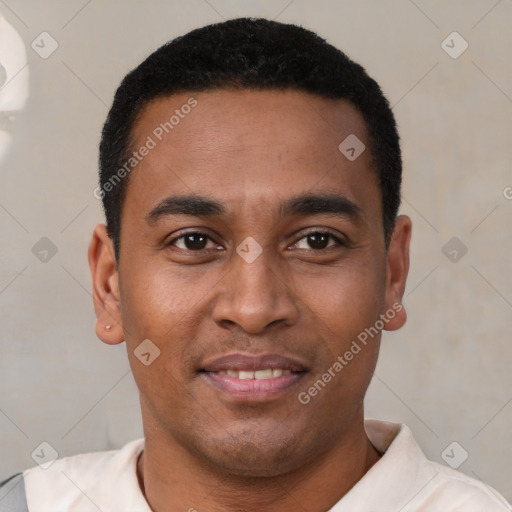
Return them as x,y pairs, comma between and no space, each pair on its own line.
345,298
166,307
344,306
346,318
156,298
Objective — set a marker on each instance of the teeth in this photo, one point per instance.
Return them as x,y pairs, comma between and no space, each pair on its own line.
268,373
263,374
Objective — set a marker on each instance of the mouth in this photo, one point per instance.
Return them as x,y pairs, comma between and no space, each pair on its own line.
267,373
246,377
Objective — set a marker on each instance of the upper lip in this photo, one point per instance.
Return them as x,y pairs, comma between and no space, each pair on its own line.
252,362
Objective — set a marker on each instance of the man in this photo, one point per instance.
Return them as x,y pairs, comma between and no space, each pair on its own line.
250,175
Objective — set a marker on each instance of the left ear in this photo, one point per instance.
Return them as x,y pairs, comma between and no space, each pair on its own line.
397,270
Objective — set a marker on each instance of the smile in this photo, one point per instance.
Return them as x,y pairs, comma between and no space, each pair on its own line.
268,373
253,378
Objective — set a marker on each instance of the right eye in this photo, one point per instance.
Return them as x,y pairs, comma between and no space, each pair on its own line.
192,241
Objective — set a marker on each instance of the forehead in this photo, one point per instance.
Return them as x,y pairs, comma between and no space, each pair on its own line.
249,144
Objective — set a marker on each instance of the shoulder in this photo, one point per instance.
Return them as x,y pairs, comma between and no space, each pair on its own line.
12,494
79,482
461,492
404,479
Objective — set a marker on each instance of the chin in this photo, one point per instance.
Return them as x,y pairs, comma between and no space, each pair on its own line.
252,462
250,454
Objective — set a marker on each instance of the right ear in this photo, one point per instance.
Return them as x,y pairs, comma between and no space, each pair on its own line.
105,287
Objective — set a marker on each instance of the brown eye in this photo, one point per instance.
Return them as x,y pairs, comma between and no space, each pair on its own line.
192,242
318,240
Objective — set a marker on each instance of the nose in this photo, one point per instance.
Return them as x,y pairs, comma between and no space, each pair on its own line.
255,296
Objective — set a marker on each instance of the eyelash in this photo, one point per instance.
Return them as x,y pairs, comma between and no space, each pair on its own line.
338,241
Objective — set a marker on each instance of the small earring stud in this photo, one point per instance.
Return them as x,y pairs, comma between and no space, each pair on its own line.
108,327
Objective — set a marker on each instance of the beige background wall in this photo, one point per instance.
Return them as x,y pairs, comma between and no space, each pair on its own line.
447,373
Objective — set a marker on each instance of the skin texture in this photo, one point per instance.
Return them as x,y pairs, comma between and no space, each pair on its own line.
250,150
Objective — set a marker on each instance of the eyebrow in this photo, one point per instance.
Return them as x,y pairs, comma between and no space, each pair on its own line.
197,206
302,205
321,204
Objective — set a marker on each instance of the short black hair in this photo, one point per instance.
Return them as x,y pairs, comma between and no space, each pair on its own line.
248,53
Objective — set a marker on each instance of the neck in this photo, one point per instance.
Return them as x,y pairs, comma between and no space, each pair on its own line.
168,474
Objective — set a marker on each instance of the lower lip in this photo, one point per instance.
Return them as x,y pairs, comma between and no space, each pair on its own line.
253,389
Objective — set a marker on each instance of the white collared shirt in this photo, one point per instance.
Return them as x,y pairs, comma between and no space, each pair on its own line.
403,480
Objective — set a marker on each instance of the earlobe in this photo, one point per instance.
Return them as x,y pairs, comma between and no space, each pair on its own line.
105,287
397,270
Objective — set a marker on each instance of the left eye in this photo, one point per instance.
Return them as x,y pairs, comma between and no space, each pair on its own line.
193,242
318,240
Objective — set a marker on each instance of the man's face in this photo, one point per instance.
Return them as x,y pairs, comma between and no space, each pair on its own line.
194,282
